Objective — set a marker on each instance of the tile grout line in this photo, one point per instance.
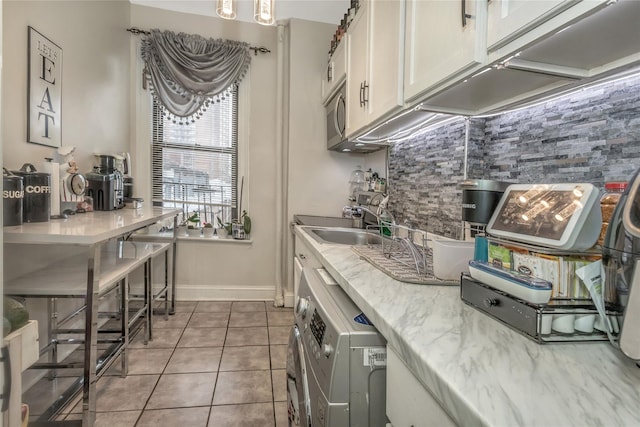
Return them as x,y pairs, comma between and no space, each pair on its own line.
165,367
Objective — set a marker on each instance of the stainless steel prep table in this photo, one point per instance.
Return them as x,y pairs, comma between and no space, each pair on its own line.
91,230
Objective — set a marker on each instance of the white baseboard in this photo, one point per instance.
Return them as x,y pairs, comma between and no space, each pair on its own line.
223,293
288,299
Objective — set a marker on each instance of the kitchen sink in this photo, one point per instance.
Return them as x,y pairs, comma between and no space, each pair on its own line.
345,236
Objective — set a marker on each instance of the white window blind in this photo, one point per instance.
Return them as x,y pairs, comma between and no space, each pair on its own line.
195,166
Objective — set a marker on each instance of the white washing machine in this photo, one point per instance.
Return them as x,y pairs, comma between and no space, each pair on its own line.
336,362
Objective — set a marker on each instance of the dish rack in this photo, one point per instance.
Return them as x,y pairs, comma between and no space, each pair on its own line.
403,254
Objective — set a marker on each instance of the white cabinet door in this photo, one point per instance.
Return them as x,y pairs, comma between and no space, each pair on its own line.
386,67
509,19
336,71
408,402
440,43
358,84
375,65
303,257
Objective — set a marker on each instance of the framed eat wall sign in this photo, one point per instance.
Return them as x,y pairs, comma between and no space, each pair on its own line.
44,91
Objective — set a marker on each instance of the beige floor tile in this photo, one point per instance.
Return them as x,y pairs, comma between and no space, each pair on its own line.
280,318
143,361
203,337
251,415
248,306
279,381
247,336
209,320
162,338
185,306
188,417
204,359
177,320
246,358
278,356
158,306
279,334
183,390
213,306
243,387
282,417
124,394
246,319
117,419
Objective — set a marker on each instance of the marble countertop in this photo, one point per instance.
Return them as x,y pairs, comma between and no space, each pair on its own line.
87,228
482,372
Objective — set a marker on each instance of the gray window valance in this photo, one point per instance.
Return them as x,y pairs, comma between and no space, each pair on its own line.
188,71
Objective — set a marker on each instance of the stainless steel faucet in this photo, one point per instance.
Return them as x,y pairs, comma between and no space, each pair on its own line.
384,215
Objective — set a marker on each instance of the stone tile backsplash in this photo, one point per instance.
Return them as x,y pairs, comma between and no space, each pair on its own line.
592,135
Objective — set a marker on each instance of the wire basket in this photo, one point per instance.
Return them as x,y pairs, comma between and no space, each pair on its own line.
406,246
403,254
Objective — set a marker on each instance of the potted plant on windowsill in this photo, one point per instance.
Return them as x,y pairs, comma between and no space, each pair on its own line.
207,229
224,229
193,227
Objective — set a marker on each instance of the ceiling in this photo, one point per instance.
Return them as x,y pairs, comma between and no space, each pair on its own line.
329,11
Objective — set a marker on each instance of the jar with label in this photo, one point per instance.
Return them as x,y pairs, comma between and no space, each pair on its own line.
608,202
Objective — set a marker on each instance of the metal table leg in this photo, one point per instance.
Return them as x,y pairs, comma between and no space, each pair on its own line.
124,286
173,268
91,338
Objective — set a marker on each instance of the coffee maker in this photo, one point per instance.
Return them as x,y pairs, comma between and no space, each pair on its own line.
105,184
621,259
479,199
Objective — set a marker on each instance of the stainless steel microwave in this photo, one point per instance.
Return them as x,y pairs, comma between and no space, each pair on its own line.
336,118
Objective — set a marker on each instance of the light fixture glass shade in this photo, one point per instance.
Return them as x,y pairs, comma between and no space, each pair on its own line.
263,12
226,9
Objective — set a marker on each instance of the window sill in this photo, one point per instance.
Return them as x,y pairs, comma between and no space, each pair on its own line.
168,235
224,240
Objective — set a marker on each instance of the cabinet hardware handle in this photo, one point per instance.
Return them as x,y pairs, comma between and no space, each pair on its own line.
491,302
465,15
302,256
6,390
330,72
365,93
362,94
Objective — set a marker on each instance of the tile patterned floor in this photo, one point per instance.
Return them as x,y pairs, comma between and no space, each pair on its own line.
212,364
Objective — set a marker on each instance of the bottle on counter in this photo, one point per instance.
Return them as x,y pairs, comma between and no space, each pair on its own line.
608,202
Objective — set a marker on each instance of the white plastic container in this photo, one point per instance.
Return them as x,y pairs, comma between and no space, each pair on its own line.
451,257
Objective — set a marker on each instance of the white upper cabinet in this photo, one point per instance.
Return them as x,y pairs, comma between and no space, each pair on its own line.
536,48
358,82
374,78
336,72
478,56
508,19
442,39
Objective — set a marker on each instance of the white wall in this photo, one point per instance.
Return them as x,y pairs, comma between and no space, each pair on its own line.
1,158
318,179
95,77
95,101
230,270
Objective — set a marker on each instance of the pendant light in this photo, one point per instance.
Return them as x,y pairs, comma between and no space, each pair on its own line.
263,12
226,9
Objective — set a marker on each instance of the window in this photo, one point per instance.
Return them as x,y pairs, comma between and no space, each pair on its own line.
195,166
